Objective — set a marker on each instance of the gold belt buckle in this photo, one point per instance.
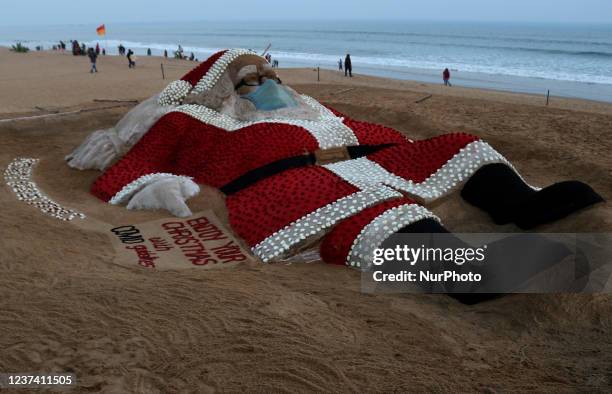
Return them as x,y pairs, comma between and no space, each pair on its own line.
331,155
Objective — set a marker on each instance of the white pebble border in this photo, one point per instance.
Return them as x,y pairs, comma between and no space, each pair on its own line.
18,177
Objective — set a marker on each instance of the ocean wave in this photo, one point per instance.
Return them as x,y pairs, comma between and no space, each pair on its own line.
560,51
397,64
440,35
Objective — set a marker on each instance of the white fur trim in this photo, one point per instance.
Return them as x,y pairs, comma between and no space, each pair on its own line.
380,228
174,93
313,224
215,71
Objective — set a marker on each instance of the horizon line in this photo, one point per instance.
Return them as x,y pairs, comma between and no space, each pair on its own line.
323,19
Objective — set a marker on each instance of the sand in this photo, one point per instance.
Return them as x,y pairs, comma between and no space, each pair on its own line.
296,327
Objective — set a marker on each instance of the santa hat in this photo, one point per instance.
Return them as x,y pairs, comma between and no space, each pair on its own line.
206,74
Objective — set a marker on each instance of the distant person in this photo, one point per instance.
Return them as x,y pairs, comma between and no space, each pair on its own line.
103,51
93,56
348,66
121,50
446,77
131,63
166,53
275,63
83,50
340,64
192,57
148,51
97,48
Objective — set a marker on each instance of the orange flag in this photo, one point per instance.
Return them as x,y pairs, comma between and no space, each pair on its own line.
101,30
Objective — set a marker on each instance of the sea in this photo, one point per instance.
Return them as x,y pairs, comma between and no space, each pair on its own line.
569,60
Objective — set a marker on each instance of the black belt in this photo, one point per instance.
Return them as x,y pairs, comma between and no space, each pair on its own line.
279,166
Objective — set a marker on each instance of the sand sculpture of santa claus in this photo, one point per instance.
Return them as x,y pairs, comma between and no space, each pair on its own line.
294,171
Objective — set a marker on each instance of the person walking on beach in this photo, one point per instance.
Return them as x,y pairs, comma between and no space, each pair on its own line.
76,48
97,48
131,63
93,56
348,66
148,51
340,64
165,53
446,77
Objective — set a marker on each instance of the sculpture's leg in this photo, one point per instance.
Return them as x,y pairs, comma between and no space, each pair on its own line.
433,168
497,189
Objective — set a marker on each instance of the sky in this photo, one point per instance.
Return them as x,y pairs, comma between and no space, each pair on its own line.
48,12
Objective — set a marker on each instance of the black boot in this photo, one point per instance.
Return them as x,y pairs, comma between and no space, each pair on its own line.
497,189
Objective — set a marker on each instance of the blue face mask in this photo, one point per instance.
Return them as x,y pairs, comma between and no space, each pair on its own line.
270,96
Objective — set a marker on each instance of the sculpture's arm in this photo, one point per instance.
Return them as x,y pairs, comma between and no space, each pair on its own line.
145,177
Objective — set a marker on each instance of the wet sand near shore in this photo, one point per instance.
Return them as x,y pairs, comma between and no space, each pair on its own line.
284,327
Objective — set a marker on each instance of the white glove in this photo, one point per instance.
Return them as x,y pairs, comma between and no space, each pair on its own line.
97,152
166,193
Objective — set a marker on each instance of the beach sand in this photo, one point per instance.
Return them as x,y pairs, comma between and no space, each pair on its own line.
283,327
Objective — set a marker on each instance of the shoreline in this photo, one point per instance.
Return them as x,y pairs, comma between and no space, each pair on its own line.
44,68
496,82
